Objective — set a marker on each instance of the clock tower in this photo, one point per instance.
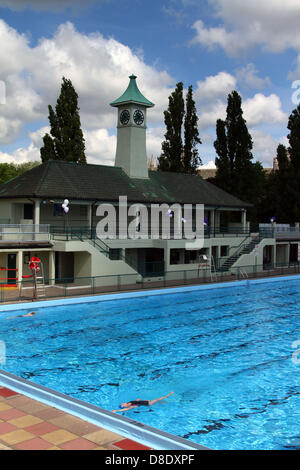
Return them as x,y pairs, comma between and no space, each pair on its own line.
131,131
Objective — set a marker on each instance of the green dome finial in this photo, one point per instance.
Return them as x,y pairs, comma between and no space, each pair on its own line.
132,95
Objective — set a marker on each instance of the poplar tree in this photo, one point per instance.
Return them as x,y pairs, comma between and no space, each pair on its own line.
66,141
294,140
294,157
179,149
224,174
236,172
191,159
172,147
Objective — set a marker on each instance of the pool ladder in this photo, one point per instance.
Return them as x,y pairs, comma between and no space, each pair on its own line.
40,282
242,273
213,271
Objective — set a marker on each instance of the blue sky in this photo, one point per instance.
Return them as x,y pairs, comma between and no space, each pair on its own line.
214,45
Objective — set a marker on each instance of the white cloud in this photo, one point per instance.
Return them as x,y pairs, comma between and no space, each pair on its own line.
211,95
210,113
100,147
265,146
155,136
98,67
16,54
215,86
99,70
248,77
264,109
271,24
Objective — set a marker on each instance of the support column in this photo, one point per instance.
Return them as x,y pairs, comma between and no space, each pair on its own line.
212,223
167,256
19,266
37,205
51,268
244,220
90,217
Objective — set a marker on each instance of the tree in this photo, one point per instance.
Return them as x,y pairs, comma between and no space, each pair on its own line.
191,159
66,141
8,171
236,173
172,147
224,174
294,140
233,145
180,118
294,157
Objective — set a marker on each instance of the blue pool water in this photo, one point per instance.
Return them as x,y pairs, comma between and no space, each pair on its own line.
226,353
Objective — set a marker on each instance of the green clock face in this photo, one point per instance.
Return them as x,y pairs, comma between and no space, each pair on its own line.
138,117
124,117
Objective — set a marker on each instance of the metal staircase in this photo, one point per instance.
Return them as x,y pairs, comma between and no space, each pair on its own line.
88,235
108,252
243,249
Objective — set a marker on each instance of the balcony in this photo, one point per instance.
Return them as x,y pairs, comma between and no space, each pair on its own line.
74,233
280,232
25,235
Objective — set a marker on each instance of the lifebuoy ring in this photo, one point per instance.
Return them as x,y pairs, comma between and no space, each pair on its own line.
34,264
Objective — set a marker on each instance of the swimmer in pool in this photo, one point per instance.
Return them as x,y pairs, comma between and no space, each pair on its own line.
126,406
31,314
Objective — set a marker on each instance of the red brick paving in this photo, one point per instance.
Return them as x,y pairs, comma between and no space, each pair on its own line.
26,424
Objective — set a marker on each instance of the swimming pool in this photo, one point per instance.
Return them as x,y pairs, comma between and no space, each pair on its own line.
227,354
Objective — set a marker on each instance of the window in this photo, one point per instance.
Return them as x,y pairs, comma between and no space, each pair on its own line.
190,256
174,256
28,211
224,251
57,210
83,211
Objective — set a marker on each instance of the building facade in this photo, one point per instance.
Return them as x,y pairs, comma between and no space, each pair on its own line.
33,219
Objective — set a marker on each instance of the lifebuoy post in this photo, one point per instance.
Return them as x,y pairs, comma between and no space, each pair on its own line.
34,265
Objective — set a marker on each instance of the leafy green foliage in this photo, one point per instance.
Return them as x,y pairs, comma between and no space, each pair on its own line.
179,156
66,141
8,171
236,172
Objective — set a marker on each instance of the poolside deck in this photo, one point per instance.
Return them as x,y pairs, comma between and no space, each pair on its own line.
26,424
9,295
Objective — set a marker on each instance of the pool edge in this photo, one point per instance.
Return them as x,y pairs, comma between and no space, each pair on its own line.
136,294
147,435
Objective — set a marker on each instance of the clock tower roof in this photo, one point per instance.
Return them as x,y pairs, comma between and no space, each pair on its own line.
132,95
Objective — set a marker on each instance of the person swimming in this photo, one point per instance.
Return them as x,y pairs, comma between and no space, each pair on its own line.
126,406
30,314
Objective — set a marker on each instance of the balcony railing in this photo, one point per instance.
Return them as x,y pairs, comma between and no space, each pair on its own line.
24,233
279,231
72,232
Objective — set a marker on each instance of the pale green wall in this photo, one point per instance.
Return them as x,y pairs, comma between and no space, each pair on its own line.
5,212
131,154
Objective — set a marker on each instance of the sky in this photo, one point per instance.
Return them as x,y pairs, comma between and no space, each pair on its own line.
216,46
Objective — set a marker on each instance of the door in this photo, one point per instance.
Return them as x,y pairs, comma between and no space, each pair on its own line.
214,255
64,266
11,268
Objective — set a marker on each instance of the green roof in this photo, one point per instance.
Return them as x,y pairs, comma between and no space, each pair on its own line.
132,95
59,180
